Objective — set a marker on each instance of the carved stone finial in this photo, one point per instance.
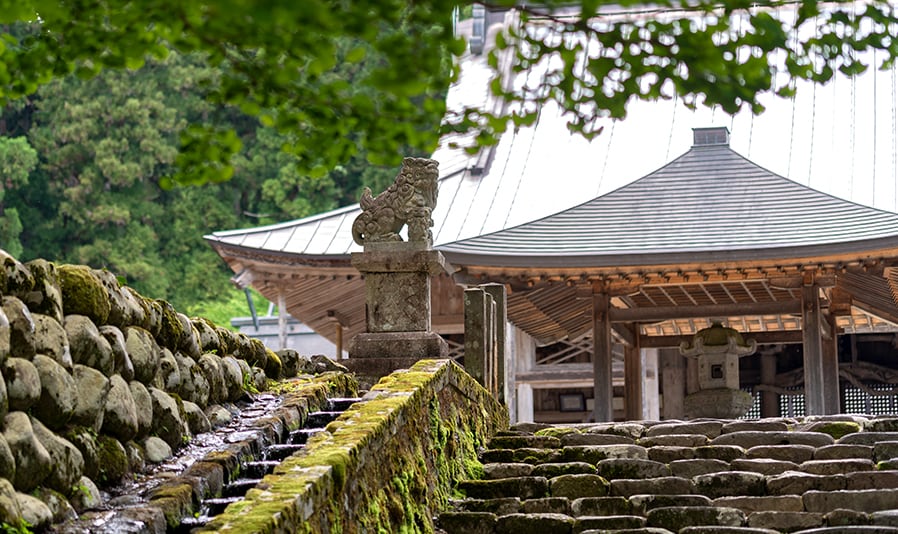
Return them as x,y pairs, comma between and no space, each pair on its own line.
410,200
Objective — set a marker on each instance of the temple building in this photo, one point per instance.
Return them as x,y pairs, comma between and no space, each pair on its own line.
622,253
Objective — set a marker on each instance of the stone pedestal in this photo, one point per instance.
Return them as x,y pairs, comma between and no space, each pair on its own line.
720,403
397,309
717,350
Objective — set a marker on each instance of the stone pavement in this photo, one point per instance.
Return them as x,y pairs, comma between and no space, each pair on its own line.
832,474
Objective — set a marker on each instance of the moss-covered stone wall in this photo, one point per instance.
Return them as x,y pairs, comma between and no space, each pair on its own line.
388,464
98,381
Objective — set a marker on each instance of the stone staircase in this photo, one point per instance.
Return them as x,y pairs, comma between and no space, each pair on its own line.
834,474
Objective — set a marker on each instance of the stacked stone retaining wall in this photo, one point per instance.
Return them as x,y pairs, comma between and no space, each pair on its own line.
99,380
388,464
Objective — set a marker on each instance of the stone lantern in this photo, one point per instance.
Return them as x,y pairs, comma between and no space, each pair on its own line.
717,350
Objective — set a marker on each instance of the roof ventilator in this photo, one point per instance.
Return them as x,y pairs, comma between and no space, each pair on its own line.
718,135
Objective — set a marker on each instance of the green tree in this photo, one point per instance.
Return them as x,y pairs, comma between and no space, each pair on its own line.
277,60
17,160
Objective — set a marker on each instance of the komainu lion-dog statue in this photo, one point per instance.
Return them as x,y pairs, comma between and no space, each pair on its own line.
409,200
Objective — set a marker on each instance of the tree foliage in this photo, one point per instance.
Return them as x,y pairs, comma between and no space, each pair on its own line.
285,63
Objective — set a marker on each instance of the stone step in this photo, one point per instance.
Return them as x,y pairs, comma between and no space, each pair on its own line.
675,518
767,503
564,468
785,521
534,523
614,468
521,487
656,486
525,441
870,500
748,439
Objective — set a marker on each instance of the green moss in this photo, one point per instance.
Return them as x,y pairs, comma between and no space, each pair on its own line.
837,429
170,328
83,293
393,460
557,431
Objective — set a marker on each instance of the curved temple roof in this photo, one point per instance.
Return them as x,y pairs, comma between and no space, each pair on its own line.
710,203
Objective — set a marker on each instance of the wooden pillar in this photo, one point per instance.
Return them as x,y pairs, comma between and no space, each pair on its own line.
282,319
603,409
497,291
673,384
525,403
812,337
633,383
651,405
832,403
339,339
770,400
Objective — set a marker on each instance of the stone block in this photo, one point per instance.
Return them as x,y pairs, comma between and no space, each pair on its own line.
692,468
500,506
521,487
882,424
786,453
885,518
547,505
785,521
675,518
858,500
591,438
730,483
611,522
885,450
872,480
868,438
842,518
593,454
666,455
534,524
675,440
630,430
709,429
521,442
838,452
614,468
577,486
506,470
836,467
657,486
467,522
641,504
567,468
850,530
536,456
759,425
767,503
765,466
726,530
748,439
796,483
592,506
727,453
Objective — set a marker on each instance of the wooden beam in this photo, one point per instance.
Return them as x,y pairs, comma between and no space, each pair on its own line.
814,382
663,313
603,408
763,338
626,333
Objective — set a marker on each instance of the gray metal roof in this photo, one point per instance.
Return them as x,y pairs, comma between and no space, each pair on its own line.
709,200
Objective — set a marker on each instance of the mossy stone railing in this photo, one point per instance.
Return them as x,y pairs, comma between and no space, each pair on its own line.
388,464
